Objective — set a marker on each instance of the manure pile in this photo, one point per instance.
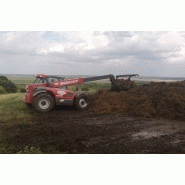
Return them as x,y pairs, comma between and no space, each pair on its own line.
126,84
157,99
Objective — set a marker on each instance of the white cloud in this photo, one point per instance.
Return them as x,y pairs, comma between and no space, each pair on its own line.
80,42
147,53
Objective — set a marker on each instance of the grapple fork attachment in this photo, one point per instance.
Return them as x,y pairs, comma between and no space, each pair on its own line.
124,85
127,75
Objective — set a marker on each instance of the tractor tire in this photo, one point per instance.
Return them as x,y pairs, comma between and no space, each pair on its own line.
43,102
81,102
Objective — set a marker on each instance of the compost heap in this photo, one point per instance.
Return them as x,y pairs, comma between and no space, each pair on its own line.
157,99
126,85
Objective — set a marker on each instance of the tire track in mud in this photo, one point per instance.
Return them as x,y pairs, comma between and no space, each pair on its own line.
85,132
66,130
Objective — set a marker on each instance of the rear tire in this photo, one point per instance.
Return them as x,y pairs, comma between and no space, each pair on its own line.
43,102
82,102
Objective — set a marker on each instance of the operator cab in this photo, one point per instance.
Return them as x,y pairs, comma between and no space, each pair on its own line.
43,79
39,80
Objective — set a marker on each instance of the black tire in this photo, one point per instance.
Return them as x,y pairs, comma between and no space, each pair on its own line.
43,102
81,102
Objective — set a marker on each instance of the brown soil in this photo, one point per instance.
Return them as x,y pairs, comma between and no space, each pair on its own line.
159,100
66,130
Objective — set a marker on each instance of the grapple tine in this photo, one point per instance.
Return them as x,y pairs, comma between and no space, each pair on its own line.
127,75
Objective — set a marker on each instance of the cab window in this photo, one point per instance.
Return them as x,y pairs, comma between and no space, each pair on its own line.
53,80
39,81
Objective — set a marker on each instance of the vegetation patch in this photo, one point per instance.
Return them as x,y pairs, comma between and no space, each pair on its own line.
13,109
2,90
21,80
94,87
22,90
9,86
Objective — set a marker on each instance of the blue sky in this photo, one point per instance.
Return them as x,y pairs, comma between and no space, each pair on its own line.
93,52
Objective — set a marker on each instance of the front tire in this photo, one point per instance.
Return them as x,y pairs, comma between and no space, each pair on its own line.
82,102
43,102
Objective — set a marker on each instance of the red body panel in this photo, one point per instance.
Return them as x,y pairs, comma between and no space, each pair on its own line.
28,98
67,82
30,89
61,93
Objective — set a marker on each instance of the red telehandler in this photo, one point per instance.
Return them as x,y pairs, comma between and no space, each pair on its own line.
48,91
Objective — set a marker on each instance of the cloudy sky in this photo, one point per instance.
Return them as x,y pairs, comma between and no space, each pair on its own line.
93,53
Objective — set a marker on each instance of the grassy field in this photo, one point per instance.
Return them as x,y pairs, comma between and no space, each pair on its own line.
13,108
2,90
92,87
21,80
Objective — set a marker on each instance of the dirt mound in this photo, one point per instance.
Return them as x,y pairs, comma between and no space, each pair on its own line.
126,84
163,100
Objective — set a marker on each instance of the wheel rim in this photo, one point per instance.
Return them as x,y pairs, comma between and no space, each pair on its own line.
82,103
44,103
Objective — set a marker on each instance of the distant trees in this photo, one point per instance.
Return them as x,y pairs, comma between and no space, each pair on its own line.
9,86
3,78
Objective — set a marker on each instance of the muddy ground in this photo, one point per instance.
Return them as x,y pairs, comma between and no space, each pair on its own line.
66,130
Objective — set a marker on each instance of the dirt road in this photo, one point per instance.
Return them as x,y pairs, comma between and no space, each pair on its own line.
68,131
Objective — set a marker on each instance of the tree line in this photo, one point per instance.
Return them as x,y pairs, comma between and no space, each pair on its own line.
9,86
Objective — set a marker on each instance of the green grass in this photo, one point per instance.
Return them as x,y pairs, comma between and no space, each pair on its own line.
19,86
2,90
91,87
13,109
94,87
21,80
139,83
